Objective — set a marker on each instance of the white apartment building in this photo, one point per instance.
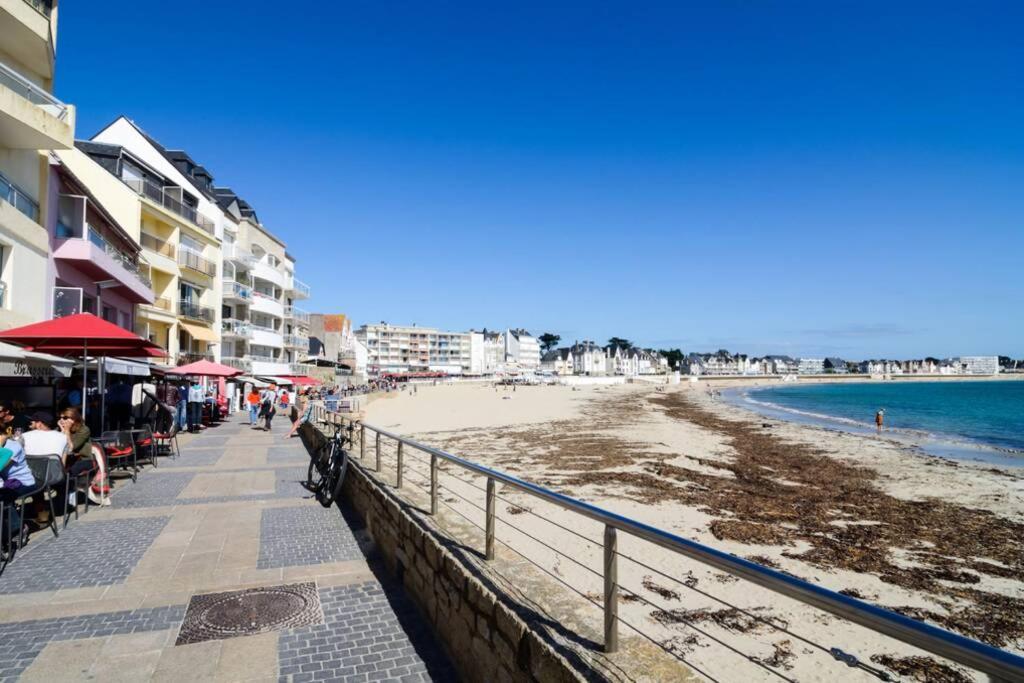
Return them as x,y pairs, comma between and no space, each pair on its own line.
32,122
264,333
811,366
558,362
404,349
588,359
522,351
979,365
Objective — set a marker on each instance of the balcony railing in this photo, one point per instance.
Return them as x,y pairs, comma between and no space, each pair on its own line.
44,7
194,261
234,252
235,328
154,243
13,195
300,290
163,303
32,92
263,358
190,309
294,341
158,194
127,261
297,314
235,290
243,364
186,358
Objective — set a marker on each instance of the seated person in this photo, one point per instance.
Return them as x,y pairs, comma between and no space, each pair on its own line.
15,479
43,439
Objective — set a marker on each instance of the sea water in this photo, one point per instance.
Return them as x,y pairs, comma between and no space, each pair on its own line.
985,414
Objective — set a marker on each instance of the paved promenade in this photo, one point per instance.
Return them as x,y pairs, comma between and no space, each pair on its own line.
160,586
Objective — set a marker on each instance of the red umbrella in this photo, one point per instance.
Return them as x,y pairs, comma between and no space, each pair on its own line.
78,335
205,368
301,380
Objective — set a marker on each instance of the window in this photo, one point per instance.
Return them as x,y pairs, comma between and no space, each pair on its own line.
89,304
110,314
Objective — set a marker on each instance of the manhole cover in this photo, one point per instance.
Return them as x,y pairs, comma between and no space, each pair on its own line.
215,616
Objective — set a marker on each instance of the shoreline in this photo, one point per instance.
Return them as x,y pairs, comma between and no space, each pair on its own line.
950,446
936,539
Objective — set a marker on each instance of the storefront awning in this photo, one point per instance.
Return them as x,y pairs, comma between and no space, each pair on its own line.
122,366
200,333
258,383
16,362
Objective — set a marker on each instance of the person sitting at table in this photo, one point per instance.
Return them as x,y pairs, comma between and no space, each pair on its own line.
6,419
80,455
15,477
43,439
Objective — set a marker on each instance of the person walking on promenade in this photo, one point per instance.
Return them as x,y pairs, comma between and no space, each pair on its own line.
181,407
268,406
880,419
195,406
253,401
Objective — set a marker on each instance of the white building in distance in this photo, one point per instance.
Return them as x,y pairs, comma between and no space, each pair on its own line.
522,351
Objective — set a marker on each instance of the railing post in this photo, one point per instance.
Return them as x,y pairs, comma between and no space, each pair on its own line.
611,591
378,452
433,483
398,478
489,554
362,443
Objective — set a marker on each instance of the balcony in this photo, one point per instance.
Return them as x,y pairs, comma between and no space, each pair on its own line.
240,329
297,314
236,254
193,260
157,245
298,289
30,117
243,364
237,292
294,341
161,304
13,195
168,196
264,303
193,311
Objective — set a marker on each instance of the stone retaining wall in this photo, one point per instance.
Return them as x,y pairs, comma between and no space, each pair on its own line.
487,640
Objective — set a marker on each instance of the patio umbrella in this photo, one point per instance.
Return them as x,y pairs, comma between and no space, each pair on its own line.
205,368
78,335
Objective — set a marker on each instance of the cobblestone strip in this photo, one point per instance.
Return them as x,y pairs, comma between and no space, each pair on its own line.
289,452
161,489
295,536
362,639
93,554
22,641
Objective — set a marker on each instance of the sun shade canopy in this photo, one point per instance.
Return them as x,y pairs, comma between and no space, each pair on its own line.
205,368
75,335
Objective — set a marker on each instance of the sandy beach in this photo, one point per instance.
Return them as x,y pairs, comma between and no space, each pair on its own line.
873,517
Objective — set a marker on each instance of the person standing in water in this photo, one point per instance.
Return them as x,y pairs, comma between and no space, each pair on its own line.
880,419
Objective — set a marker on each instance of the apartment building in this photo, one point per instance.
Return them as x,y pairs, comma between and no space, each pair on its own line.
264,333
402,349
522,351
979,365
32,123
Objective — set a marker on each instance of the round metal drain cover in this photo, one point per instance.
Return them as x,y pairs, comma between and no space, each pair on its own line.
256,610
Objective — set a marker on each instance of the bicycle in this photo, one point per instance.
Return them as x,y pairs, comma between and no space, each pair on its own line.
327,466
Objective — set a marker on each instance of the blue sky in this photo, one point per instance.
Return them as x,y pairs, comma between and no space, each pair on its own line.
808,178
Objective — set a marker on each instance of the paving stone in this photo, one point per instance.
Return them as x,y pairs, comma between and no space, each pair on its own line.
306,535
163,488
87,554
329,651
194,457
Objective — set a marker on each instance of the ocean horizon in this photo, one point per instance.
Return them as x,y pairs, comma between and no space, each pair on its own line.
982,414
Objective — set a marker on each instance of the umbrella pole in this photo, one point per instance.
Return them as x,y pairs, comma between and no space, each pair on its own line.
101,381
85,376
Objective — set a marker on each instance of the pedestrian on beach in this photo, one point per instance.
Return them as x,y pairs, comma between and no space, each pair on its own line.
880,419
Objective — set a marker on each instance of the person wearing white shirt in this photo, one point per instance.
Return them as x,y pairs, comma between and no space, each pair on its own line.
43,439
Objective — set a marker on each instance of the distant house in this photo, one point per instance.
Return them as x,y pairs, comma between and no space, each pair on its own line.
588,359
622,361
781,365
557,361
719,363
835,366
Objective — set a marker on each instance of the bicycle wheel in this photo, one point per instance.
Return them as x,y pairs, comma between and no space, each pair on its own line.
315,473
330,485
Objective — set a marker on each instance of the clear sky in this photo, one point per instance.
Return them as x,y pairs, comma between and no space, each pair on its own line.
842,178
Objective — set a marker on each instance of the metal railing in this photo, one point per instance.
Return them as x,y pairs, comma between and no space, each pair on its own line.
163,303
243,364
236,290
998,664
32,92
16,197
236,328
296,342
186,358
155,244
296,314
299,288
159,195
193,310
196,261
